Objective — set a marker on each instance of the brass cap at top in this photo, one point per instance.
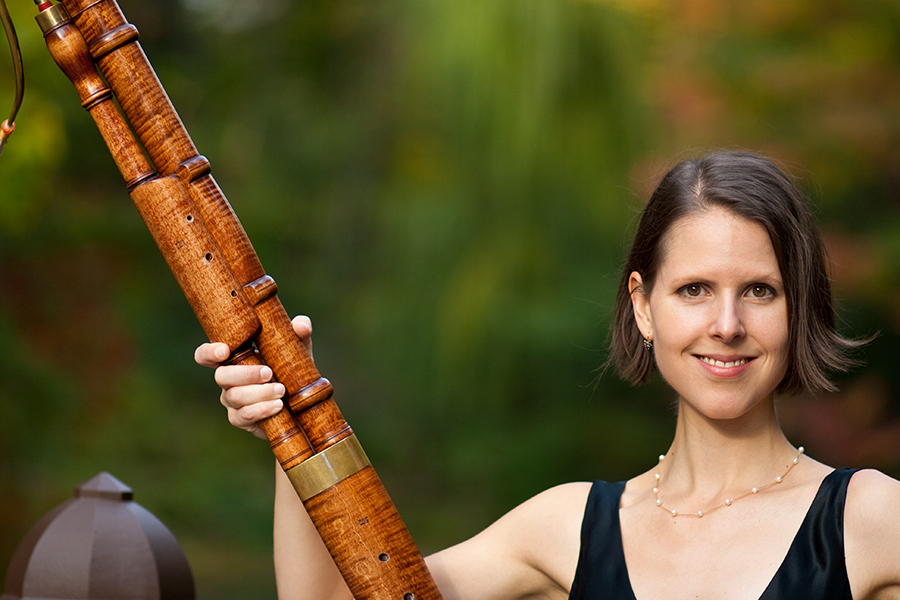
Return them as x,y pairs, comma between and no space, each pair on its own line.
52,17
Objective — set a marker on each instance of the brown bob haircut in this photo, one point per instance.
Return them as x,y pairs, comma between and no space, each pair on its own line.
751,187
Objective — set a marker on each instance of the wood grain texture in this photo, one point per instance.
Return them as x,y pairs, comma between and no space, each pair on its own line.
375,549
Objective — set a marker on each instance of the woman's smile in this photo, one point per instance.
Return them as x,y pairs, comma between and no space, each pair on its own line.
724,367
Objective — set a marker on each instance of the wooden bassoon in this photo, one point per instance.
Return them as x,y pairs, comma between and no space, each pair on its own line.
234,299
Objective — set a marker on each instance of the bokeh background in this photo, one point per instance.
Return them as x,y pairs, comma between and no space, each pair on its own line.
447,188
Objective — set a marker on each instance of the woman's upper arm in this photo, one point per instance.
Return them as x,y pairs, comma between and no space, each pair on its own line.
530,552
872,535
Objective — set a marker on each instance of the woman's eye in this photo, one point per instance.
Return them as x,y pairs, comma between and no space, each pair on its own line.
760,291
693,290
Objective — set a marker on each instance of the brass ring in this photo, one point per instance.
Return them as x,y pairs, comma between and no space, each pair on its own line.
52,17
328,468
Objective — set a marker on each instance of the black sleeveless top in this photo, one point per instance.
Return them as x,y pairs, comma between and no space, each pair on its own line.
813,568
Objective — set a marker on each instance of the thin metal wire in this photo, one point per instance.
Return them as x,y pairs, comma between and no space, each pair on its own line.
9,124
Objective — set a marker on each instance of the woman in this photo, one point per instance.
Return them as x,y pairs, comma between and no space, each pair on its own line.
726,294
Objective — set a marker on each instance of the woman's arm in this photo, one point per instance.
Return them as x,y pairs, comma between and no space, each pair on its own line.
872,536
303,567
531,552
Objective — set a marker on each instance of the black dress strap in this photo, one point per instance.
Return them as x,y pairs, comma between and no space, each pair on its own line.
813,569
814,566
601,571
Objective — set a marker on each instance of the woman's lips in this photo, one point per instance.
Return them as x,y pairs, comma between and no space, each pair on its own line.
724,366
724,363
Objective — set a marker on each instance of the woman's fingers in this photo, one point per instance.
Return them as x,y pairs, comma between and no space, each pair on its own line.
239,396
237,375
211,354
244,386
247,417
249,396
303,328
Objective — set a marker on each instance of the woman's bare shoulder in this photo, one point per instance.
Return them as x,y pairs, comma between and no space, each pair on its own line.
531,551
872,503
872,495
872,534
551,519
562,498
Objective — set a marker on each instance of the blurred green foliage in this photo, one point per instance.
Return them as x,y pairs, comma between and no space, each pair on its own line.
447,188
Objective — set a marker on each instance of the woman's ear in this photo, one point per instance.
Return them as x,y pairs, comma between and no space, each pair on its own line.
641,304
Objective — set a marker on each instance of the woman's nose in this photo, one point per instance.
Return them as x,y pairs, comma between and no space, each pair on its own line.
727,324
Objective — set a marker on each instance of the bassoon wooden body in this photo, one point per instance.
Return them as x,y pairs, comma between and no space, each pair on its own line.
234,299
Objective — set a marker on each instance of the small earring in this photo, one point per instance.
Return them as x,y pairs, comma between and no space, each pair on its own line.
648,344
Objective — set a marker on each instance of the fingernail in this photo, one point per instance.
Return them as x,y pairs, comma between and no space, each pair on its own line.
279,389
277,404
266,373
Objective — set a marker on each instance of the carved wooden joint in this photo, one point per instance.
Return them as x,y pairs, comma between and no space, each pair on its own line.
193,169
260,289
113,40
314,393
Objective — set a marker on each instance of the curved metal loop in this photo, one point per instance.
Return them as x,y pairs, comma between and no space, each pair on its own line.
7,127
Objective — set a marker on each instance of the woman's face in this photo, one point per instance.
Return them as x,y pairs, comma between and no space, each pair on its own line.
717,314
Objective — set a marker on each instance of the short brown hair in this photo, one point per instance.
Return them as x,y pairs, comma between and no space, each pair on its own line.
751,187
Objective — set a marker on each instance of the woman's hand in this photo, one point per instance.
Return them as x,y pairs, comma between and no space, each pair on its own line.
248,392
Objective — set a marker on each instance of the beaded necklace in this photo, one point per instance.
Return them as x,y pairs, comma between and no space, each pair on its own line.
728,501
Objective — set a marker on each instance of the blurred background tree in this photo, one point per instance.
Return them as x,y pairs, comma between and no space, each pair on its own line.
447,188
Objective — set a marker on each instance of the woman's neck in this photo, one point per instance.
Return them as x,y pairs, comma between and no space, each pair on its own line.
709,458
